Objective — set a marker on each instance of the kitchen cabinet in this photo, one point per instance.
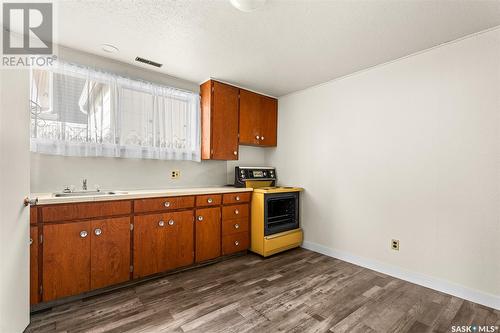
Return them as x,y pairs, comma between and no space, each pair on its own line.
81,256
110,252
162,242
219,121
34,290
208,233
88,246
66,259
258,119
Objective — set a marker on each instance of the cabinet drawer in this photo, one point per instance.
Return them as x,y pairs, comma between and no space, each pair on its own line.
233,198
234,212
234,226
208,200
235,243
85,210
163,204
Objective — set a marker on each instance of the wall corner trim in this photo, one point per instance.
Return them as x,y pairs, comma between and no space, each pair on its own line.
444,286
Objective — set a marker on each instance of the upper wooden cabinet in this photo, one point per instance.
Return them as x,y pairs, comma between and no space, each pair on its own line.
219,121
258,119
231,116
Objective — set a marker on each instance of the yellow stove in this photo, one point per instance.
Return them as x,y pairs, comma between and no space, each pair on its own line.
275,215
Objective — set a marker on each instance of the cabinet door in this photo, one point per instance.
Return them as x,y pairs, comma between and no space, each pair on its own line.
180,239
34,265
208,233
66,259
150,239
224,117
268,121
250,104
110,252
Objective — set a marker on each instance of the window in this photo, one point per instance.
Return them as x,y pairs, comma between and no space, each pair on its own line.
77,111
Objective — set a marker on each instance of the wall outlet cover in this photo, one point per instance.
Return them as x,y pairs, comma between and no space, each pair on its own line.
395,244
174,174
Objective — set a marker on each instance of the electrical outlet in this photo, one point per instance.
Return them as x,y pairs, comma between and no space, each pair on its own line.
175,174
395,244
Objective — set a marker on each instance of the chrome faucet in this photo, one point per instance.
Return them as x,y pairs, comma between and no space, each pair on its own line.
84,184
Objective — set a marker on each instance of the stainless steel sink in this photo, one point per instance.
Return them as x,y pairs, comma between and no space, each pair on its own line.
86,193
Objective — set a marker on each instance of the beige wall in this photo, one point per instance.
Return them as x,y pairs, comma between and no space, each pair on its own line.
50,173
14,187
408,150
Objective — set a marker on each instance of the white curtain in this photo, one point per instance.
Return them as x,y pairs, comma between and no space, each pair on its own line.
78,111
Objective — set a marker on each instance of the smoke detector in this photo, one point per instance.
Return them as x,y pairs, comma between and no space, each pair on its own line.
109,48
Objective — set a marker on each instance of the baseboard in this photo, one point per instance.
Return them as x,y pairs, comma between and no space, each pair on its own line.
446,287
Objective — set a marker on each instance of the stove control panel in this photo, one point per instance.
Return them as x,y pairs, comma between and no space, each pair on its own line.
243,174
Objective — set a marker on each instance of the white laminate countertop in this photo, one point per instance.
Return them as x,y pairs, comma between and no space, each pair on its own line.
49,198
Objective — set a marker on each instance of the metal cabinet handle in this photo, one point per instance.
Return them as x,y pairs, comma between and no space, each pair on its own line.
200,218
167,204
171,222
98,232
210,200
236,243
161,223
236,211
236,226
237,198
31,241
83,234
257,137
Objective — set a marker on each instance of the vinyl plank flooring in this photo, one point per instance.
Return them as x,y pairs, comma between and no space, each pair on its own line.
295,291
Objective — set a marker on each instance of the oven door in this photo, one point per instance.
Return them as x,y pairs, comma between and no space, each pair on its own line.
281,212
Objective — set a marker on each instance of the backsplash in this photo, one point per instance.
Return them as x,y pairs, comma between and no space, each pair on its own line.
50,173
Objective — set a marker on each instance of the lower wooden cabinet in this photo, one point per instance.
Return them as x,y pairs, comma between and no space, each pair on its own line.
162,242
77,256
109,252
80,256
34,284
208,233
66,259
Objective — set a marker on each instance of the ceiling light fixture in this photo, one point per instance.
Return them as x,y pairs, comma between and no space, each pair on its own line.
109,48
247,5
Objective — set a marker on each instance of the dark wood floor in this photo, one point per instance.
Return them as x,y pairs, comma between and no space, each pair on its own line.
296,291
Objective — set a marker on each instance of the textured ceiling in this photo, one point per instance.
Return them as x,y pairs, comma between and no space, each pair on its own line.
283,47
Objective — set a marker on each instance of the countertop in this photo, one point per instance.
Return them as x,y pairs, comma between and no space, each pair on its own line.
49,198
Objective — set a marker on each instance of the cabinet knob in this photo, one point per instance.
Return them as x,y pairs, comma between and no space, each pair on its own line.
257,137
83,234
171,222
236,211
210,200
235,152
200,218
237,198
262,138
236,243
161,223
97,232
236,226
31,241
167,204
